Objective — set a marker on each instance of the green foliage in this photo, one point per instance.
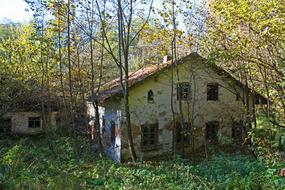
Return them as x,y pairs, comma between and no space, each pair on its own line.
273,135
51,162
247,38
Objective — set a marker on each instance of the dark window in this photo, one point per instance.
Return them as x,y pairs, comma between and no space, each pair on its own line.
183,132
150,96
183,91
149,136
6,125
263,101
257,101
213,91
237,96
260,100
113,132
34,122
212,129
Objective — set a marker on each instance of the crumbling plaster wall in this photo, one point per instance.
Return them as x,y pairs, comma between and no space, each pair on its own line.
197,111
108,114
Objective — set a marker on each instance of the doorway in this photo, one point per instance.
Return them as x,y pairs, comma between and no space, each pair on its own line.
5,126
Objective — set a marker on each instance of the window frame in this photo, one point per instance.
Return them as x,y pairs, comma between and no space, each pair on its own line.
149,136
215,90
181,132
34,122
181,93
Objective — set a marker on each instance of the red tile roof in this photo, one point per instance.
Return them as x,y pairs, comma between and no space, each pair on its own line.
114,87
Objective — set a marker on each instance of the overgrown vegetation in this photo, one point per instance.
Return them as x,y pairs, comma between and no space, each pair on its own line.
51,163
71,48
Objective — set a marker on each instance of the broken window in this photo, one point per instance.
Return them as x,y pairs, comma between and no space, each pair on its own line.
150,96
113,132
34,122
213,91
183,132
183,91
212,129
149,136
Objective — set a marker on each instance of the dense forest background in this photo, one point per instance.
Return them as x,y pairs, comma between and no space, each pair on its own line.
71,48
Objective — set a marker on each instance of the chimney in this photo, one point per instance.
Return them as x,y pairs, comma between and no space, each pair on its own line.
166,59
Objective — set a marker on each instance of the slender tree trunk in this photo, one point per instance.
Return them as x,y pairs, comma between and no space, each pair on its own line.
174,129
193,117
70,69
60,58
43,75
174,58
128,121
124,47
95,102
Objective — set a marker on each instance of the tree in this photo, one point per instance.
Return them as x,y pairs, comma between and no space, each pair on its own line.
248,38
125,12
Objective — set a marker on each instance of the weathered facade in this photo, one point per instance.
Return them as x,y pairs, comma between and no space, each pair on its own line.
209,101
24,115
26,122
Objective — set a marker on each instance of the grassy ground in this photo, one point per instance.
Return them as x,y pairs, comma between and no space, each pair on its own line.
51,163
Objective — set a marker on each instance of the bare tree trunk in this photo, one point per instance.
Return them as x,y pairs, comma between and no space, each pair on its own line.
95,102
60,58
193,117
43,112
70,69
174,129
124,40
253,115
174,58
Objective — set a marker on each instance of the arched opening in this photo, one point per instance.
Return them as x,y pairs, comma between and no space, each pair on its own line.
150,96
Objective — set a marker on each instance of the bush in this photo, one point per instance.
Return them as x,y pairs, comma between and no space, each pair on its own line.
45,163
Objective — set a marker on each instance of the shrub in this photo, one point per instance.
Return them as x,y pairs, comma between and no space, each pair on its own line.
45,163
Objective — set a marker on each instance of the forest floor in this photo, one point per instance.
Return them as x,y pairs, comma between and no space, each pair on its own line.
50,162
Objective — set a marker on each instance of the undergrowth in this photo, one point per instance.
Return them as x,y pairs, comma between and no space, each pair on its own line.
52,163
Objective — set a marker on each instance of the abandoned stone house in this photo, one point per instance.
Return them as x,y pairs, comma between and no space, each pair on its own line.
25,116
213,103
